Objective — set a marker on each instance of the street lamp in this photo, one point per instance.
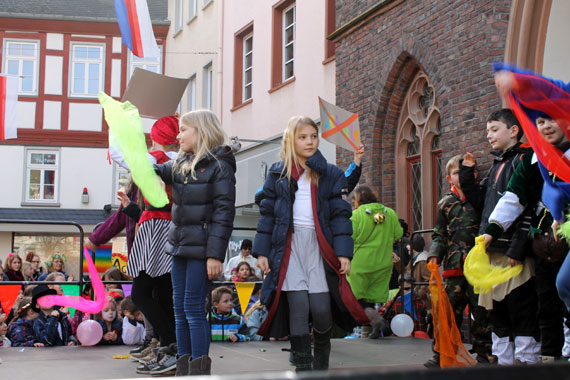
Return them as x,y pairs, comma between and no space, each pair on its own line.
235,142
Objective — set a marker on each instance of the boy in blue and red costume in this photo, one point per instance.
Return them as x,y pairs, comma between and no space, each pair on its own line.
520,197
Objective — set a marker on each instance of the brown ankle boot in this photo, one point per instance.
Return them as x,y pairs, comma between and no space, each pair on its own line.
200,366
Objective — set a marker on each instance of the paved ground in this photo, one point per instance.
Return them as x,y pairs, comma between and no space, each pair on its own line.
63,363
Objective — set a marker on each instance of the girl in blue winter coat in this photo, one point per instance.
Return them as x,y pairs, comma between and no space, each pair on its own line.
203,189
304,246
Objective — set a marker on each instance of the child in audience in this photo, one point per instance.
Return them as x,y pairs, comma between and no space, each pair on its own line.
21,330
58,277
226,324
254,318
111,324
244,273
4,341
133,327
51,327
114,274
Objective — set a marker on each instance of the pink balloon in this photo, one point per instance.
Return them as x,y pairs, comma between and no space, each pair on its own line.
78,302
89,332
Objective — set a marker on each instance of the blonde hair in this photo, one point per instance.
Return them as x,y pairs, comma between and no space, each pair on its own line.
112,301
453,162
287,153
210,136
257,305
25,266
53,275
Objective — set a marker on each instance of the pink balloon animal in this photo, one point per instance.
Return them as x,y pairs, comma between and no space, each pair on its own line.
77,302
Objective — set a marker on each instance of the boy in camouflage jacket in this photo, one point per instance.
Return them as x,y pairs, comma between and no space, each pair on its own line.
455,229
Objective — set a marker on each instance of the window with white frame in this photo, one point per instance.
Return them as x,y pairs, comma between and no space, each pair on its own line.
21,59
42,172
178,15
205,3
191,94
247,67
153,64
121,178
192,9
207,86
288,42
87,77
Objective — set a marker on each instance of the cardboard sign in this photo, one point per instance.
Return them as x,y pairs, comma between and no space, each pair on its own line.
339,126
154,95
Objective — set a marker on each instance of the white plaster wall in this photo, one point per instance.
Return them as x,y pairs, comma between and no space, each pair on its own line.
54,41
54,75
556,51
267,115
79,168
85,167
147,124
197,36
117,44
26,115
52,115
11,196
116,77
85,117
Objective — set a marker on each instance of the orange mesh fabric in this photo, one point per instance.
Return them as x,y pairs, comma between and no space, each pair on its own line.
452,352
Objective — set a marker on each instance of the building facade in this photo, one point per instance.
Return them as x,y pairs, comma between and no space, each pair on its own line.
57,169
276,63
192,51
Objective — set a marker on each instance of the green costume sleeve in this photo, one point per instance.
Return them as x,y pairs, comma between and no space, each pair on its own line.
526,173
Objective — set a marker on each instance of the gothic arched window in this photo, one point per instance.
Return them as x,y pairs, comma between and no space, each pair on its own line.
418,155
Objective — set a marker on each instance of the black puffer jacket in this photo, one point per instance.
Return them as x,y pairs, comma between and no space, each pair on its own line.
485,195
204,208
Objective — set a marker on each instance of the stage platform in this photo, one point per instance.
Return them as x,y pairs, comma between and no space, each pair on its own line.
250,359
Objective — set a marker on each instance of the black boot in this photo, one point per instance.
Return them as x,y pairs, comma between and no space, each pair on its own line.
322,350
301,348
433,362
377,322
201,366
182,365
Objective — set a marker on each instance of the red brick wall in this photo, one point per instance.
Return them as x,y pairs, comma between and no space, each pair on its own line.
454,42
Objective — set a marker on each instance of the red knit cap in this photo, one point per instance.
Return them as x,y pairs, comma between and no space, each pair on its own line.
165,130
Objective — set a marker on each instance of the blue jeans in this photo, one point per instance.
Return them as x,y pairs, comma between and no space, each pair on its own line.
190,285
563,281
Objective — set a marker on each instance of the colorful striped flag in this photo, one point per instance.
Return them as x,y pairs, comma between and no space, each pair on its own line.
8,107
136,28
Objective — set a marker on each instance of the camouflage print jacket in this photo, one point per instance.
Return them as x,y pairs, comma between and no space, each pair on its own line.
455,229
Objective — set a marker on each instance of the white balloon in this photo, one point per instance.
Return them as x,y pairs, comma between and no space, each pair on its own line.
402,325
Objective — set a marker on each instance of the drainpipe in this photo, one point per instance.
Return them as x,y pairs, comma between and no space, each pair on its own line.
220,84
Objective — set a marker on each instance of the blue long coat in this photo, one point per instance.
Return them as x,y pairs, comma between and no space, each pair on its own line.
276,208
